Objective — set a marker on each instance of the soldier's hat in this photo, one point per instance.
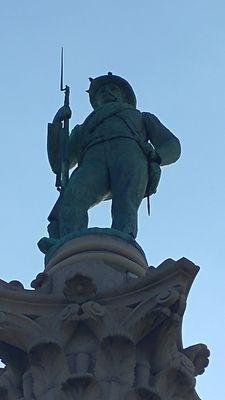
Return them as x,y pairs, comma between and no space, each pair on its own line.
96,83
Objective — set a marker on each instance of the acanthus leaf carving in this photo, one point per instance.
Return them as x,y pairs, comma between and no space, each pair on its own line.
115,365
48,367
199,355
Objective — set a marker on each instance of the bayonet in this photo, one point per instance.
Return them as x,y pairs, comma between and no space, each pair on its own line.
61,74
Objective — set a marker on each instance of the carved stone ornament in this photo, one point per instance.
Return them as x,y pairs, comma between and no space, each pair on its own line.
99,325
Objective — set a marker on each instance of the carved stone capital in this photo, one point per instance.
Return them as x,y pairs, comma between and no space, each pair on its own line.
99,324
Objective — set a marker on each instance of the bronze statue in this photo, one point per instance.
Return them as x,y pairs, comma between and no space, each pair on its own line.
118,151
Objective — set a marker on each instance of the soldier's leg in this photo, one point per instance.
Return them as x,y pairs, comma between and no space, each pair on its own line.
129,175
87,186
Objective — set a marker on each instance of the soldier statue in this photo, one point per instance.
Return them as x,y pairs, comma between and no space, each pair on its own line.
118,151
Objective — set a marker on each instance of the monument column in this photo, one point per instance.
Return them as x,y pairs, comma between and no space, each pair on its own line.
99,323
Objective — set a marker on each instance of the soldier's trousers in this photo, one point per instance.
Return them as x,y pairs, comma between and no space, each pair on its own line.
118,167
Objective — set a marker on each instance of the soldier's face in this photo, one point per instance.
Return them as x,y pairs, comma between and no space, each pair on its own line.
109,93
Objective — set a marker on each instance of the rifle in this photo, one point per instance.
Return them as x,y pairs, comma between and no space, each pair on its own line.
62,174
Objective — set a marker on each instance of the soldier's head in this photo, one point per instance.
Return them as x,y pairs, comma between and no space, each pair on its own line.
110,88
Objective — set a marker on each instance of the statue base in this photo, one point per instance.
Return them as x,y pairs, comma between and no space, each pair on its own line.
50,246
99,324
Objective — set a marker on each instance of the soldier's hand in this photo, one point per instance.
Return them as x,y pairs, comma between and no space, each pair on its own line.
63,113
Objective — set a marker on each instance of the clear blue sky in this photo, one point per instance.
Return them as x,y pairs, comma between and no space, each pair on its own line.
173,54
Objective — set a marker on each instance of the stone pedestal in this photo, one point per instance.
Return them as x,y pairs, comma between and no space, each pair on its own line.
99,324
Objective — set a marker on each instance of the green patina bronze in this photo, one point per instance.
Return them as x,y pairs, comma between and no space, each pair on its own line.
118,151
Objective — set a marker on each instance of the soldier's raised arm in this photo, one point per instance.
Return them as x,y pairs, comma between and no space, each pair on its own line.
166,144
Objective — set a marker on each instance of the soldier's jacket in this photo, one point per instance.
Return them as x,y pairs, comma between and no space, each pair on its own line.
112,121
116,120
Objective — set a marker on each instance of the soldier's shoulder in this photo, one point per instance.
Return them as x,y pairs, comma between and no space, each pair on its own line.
150,118
147,114
75,129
